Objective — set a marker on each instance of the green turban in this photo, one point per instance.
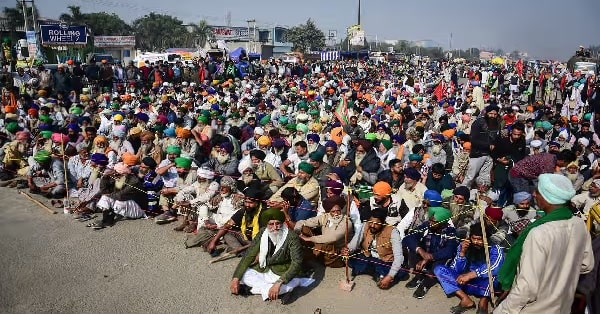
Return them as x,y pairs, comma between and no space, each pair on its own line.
284,120
371,137
42,156
302,127
440,214
76,110
12,127
313,112
222,118
547,125
587,116
271,214
387,144
306,167
291,127
203,119
45,119
316,156
538,124
302,106
415,157
327,107
265,120
159,128
174,150
46,134
235,115
182,162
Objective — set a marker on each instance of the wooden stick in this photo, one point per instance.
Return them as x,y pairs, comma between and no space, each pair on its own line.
487,255
229,255
40,204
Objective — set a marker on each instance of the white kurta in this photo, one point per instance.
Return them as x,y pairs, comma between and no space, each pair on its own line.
554,255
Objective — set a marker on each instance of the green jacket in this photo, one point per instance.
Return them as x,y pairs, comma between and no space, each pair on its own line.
287,262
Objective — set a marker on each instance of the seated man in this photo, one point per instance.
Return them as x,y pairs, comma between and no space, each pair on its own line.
14,156
127,199
328,238
273,261
434,244
468,273
295,206
304,183
46,175
380,252
224,162
265,171
89,196
192,199
176,174
153,183
222,206
243,227
80,169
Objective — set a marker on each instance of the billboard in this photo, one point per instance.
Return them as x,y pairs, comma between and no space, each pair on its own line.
61,35
114,41
230,33
356,35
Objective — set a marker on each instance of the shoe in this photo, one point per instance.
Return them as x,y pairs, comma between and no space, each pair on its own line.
414,283
459,309
165,218
420,292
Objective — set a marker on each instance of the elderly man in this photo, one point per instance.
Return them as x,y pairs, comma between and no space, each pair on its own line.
273,262
362,165
89,196
380,251
127,198
304,183
585,200
542,268
433,244
183,176
224,163
118,142
79,170
468,273
519,215
221,208
46,175
148,148
265,171
411,192
325,234
192,199
14,155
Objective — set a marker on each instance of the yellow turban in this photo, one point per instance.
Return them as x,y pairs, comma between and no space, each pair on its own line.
264,141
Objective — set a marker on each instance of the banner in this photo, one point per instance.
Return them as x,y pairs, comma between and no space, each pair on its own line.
230,33
358,38
114,41
341,111
61,35
30,35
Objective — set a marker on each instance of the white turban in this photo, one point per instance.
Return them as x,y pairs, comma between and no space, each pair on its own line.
536,144
564,134
584,141
206,174
556,189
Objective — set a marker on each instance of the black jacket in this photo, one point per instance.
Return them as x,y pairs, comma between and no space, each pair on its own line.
482,137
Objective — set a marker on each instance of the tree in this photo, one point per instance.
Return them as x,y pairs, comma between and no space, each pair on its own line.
14,19
75,17
103,23
306,37
201,34
157,32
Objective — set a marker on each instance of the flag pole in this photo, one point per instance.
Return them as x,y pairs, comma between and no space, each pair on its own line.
487,255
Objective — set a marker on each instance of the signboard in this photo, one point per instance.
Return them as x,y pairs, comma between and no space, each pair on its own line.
114,41
356,35
230,33
61,35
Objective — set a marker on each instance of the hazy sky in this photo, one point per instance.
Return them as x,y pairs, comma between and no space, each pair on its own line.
544,28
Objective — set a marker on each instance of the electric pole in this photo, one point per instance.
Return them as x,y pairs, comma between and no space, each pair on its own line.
358,12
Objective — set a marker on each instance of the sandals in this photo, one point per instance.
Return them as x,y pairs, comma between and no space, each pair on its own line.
57,203
459,309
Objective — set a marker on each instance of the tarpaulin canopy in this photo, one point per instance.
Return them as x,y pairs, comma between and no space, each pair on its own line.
236,54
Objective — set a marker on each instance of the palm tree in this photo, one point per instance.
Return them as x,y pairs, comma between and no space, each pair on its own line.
76,17
202,33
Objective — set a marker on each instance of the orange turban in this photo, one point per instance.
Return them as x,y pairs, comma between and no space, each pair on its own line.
183,133
449,133
337,134
147,136
100,139
10,109
382,188
130,159
467,145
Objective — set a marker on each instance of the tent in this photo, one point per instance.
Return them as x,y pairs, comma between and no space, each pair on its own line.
498,61
237,54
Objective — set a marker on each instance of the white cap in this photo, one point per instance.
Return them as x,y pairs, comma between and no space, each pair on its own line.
536,144
258,130
584,141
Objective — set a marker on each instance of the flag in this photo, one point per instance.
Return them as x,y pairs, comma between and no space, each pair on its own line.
440,90
530,89
341,112
495,86
520,67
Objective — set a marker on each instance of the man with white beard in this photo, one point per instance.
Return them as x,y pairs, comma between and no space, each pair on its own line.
224,163
118,142
194,198
265,172
304,182
148,148
585,200
272,263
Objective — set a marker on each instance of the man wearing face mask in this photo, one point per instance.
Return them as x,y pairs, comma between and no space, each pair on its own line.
265,171
224,163
436,151
192,199
326,233
148,148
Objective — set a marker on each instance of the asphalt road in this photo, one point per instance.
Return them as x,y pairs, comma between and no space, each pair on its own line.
54,264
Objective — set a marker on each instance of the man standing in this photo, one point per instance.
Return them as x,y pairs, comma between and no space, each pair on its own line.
276,257
483,134
542,267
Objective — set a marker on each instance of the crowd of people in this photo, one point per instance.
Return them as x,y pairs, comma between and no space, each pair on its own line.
482,178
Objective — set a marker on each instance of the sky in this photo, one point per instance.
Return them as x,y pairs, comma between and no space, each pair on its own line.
549,29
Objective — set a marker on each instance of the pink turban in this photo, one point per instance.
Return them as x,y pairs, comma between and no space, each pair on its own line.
60,138
122,168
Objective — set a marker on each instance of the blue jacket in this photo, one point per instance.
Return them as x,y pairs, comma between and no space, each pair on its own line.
462,265
442,246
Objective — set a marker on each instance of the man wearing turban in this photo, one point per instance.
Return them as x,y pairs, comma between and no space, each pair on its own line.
266,172
89,196
15,157
224,163
46,175
176,174
273,263
118,142
433,245
542,267
362,165
189,146
148,148
192,200
304,183
127,199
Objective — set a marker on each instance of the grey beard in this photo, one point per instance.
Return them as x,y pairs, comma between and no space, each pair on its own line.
301,181
120,182
247,178
222,158
572,176
145,149
337,219
275,236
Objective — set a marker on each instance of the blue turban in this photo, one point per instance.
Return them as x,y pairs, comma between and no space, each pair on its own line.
314,137
142,116
331,144
75,127
99,159
83,119
45,127
399,138
412,173
170,132
521,197
556,189
434,197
